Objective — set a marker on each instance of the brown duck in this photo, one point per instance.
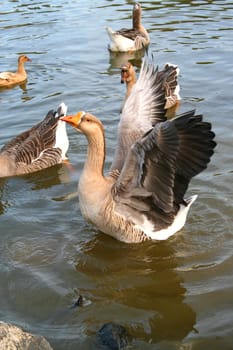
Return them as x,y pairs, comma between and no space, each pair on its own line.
8,79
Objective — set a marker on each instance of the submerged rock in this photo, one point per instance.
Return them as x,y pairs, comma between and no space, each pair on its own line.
14,338
114,336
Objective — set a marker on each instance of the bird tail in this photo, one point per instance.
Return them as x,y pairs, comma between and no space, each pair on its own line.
110,32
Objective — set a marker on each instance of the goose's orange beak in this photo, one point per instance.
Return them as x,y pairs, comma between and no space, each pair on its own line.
73,120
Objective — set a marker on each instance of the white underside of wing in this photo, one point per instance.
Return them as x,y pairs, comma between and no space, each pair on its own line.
178,223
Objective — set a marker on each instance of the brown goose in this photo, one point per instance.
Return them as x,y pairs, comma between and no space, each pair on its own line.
8,79
40,147
146,201
128,76
143,196
133,39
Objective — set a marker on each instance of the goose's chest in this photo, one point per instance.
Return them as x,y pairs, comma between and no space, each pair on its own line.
88,205
92,200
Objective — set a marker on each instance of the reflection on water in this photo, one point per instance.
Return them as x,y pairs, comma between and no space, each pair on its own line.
49,177
117,59
22,86
3,203
59,174
153,305
170,295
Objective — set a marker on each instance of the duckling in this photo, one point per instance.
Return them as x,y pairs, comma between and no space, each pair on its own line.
129,40
8,79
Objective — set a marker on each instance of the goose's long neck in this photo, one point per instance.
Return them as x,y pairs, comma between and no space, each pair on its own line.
137,20
130,84
21,69
94,164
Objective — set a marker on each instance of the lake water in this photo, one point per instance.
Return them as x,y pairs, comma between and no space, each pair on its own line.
176,294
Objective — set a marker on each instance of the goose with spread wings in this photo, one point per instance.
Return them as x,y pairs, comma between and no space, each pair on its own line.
143,196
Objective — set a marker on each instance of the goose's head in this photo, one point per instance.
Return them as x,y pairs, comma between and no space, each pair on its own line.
84,122
127,73
137,7
24,58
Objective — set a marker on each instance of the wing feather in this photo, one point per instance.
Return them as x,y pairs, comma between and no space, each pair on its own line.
130,33
143,109
159,167
196,146
27,147
150,169
47,158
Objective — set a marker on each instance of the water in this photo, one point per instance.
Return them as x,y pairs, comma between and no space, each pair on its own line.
169,295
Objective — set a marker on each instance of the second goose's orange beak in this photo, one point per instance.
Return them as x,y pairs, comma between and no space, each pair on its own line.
73,120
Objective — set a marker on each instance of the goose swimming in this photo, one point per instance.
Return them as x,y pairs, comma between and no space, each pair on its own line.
133,39
43,145
143,196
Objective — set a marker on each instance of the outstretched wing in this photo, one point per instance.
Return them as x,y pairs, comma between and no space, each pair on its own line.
160,166
171,84
143,109
147,178
196,146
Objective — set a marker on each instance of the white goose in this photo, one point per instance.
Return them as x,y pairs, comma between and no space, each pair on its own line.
143,196
40,147
133,39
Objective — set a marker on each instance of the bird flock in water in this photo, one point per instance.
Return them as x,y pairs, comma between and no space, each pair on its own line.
143,195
